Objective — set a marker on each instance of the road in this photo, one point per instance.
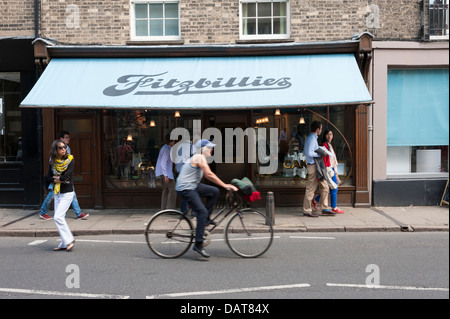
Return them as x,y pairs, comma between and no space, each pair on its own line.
297,266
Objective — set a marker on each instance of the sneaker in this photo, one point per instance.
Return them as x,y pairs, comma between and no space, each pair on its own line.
328,212
337,211
199,248
314,204
83,216
45,217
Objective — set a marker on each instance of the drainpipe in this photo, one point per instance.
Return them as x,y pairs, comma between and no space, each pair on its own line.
36,18
370,128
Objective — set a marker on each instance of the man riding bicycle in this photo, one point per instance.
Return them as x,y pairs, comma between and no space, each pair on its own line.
190,189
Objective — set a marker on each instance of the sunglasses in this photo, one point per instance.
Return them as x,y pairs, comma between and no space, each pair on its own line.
62,147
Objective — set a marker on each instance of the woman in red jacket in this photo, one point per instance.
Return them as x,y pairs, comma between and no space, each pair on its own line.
330,162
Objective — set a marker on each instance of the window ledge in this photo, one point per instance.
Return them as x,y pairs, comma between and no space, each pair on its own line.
442,175
264,41
155,42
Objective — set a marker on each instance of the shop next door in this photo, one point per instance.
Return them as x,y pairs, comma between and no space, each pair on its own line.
83,146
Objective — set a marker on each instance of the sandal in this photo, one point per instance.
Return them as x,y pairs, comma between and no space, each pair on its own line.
71,245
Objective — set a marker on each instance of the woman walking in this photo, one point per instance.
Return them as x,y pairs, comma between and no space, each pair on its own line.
59,176
330,161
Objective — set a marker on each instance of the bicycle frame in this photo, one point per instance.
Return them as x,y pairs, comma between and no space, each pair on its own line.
234,206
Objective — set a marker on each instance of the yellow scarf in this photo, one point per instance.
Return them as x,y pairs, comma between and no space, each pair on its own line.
59,168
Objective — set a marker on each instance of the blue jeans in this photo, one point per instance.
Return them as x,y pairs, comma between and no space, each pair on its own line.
49,198
333,193
194,199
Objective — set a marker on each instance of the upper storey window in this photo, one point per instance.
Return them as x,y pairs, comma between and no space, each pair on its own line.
155,20
264,19
438,19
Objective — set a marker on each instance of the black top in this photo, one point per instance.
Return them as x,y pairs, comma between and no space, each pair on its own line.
65,178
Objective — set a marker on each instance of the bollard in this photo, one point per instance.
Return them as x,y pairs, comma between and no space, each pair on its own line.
270,207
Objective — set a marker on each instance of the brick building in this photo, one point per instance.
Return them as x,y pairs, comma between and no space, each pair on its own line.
141,29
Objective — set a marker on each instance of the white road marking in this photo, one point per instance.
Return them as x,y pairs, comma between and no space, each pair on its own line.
110,241
37,242
386,287
310,237
60,293
228,291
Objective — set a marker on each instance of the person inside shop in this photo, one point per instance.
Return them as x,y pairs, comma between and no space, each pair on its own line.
63,136
188,187
311,145
59,176
331,162
181,153
164,169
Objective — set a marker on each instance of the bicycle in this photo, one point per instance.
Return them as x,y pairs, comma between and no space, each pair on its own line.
248,232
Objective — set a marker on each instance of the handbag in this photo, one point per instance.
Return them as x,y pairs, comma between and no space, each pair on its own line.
329,179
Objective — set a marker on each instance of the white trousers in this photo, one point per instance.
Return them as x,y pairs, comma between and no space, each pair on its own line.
62,204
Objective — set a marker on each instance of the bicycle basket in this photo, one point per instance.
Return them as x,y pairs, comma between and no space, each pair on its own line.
247,189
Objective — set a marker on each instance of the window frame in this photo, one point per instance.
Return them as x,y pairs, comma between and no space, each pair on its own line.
164,37
272,36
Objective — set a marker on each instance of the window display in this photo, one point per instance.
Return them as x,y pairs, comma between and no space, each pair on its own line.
293,127
132,141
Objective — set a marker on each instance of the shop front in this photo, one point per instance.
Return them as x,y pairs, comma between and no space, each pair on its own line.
119,103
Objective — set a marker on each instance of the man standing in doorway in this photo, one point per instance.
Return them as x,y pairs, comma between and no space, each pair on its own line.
311,145
65,137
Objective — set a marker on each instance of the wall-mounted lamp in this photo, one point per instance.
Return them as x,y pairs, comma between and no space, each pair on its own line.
302,120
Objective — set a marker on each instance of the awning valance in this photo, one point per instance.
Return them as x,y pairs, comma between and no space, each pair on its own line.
200,82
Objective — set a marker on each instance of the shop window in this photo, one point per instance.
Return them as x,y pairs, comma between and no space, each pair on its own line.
132,141
417,122
293,127
264,19
155,20
10,118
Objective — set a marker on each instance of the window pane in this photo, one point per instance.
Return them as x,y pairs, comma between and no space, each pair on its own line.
142,28
156,28
10,117
131,146
171,27
279,26
292,133
172,10
279,9
141,11
156,10
264,26
249,9
264,9
249,26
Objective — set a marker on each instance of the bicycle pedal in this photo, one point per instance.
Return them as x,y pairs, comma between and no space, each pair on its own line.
206,238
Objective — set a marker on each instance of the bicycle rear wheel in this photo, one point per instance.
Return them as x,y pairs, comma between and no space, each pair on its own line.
249,233
169,234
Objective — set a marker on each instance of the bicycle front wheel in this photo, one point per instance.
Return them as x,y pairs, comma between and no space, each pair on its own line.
249,233
169,234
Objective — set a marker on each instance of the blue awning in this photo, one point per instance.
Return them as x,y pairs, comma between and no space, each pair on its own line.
200,83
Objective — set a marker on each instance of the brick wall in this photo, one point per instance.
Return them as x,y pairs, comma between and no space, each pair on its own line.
16,18
213,21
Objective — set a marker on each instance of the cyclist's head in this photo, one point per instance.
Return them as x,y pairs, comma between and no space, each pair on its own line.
204,147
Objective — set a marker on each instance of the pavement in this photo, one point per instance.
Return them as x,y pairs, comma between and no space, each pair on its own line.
26,223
